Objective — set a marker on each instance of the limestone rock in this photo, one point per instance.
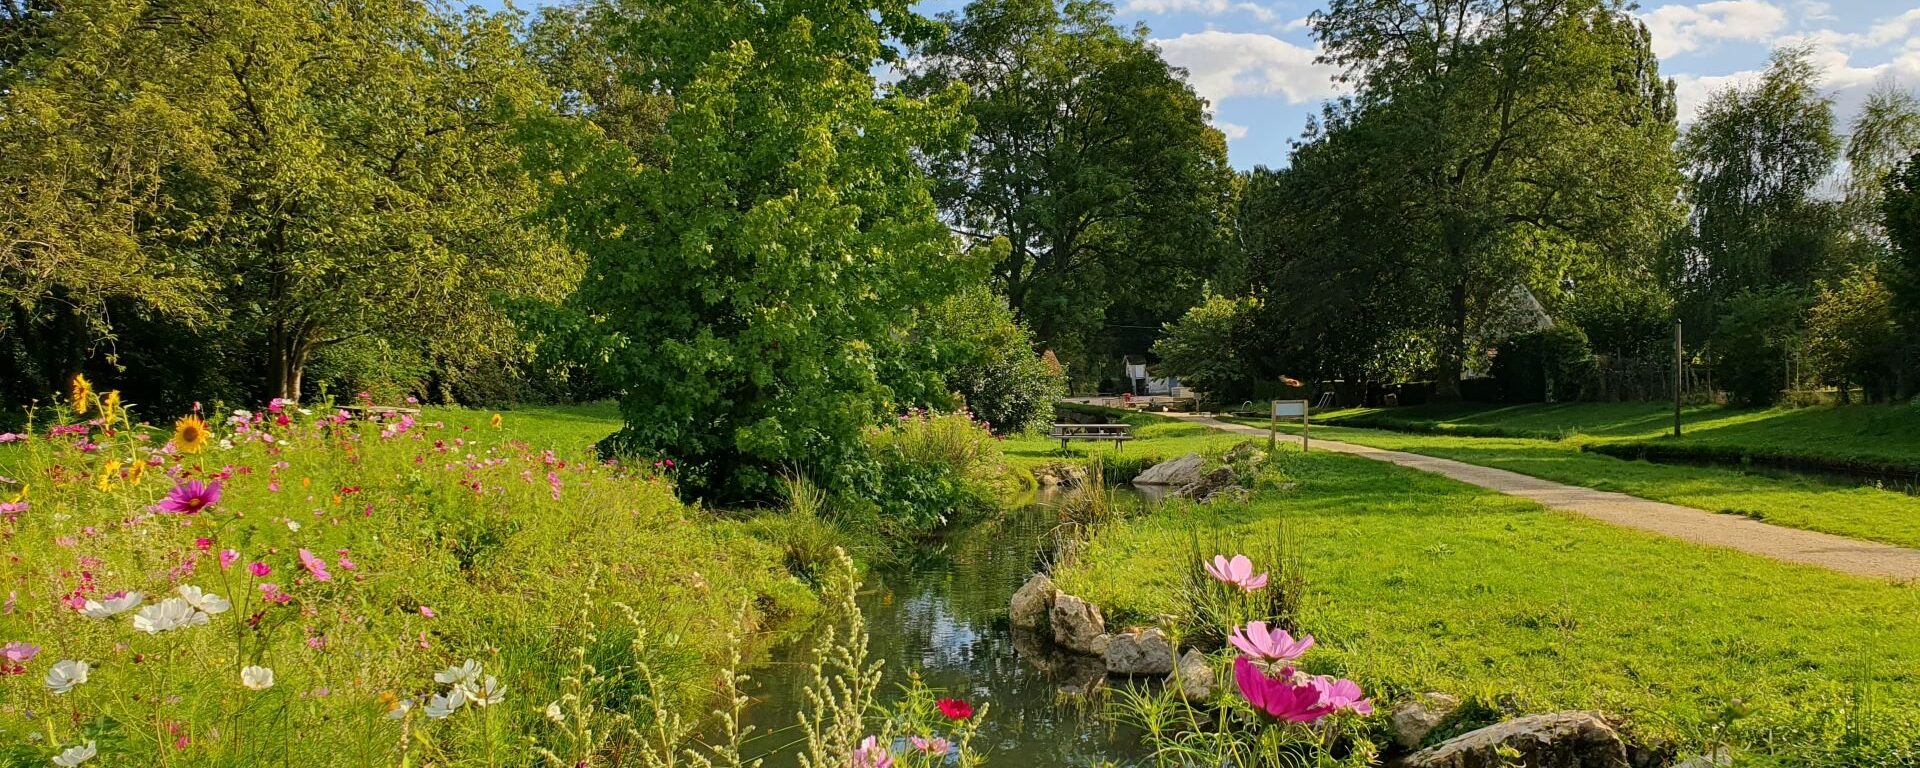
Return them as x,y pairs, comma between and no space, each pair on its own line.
1193,677
1414,718
1061,475
1031,603
1177,472
1077,624
1557,740
1140,652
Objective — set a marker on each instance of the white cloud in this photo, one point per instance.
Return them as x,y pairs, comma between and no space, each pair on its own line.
1223,65
1233,131
1679,29
1845,78
1208,7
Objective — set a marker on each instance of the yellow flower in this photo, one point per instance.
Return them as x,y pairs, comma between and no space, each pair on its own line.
106,474
135,472
495,421
82,389
190,434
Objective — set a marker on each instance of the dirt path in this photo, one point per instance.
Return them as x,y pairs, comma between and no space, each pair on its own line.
1838,553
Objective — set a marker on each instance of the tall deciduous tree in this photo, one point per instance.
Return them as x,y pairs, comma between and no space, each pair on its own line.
1091,158
1517,143
748,283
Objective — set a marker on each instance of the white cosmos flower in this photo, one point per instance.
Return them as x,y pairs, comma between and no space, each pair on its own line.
442,705
203,600
464,674
168,615
401,708
293,525
257,678
112,605
65,675
73,756
485,693
554,713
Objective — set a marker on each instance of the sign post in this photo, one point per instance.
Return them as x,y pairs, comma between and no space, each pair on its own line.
1289,409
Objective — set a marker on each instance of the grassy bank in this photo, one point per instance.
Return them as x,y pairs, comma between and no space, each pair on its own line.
1417,583
356,559
1857,437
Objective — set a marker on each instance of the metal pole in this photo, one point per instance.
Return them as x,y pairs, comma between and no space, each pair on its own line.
1678,371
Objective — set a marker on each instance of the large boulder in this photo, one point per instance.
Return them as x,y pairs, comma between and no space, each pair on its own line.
1140,652
1557,740
1077,625
1414,718
1193,677
1174,472
1031,603
1209,485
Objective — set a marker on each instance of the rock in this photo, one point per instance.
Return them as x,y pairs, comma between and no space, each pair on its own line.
1209,484
1061,475
1193,677
1177,472
1414,718
1557,740
1083,676
1140,652
1031,602
1077,624
1247,450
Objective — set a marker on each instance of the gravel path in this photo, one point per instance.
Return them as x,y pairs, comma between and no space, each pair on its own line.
1837,553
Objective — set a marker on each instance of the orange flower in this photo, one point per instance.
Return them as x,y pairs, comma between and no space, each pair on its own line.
190,434
82,389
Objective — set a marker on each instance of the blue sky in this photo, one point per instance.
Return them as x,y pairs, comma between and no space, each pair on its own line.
1254,59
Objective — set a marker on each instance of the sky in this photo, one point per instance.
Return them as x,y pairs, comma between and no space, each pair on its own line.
1253,60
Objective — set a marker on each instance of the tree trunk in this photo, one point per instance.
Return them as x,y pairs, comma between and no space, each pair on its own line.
1453,351
288,351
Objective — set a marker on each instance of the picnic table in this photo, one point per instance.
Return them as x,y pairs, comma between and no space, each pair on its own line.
1114,433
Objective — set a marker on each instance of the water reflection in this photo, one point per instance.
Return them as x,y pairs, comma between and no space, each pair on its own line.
945,615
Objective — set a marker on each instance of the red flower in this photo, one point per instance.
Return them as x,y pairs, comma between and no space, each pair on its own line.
954,709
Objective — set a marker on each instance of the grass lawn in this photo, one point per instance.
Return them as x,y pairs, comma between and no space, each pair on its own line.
1861,512
1420,583
1866,435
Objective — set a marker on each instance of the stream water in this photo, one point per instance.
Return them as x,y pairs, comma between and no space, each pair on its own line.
943,614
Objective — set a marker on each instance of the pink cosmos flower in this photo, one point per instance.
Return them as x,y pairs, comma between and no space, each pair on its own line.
1278,645
272,594
345,563
1344,695
203,543
19,653
1290,696
11,510
191,497
227,558
315,566
427,612
1238,572
872,754
259,568
12,437
933,746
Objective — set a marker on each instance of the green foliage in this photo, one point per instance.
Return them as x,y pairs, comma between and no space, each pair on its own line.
1091,160
1543,366
1900,210
1626,319
932,469
1852,337
746,288
987,359
1206,348
1753,341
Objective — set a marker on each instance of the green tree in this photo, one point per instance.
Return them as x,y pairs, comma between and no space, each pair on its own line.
1852,337
747,287
1755,342
1505,144
1091,159
1885,133
1206,348
986,358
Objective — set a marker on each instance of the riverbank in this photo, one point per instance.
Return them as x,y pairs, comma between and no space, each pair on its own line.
1416,583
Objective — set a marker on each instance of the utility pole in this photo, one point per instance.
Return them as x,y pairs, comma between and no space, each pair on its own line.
1679,370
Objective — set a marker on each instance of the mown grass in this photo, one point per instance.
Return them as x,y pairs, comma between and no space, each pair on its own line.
1866,436
523,548
1418,583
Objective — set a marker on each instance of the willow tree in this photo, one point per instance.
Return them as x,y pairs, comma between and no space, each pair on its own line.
754,265
1515,143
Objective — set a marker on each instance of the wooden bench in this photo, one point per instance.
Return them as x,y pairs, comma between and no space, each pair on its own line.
1113,433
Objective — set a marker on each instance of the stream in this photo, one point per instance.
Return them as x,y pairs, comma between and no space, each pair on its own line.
944,614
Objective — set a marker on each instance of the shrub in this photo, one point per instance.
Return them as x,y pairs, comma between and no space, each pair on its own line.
1543,366
931,468
1756,333
1851,335
1203,348
989,362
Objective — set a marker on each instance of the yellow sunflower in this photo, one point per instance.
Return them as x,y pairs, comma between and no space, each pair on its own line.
495,421
82,389
110,405
190,434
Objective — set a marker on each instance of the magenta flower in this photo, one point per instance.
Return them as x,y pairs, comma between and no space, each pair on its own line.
315,566
272,594
872,754
203,543
259,569
427,612
19,653
1277,645
1238,572
1290,696
11,510
1344,695
227,558
191,497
